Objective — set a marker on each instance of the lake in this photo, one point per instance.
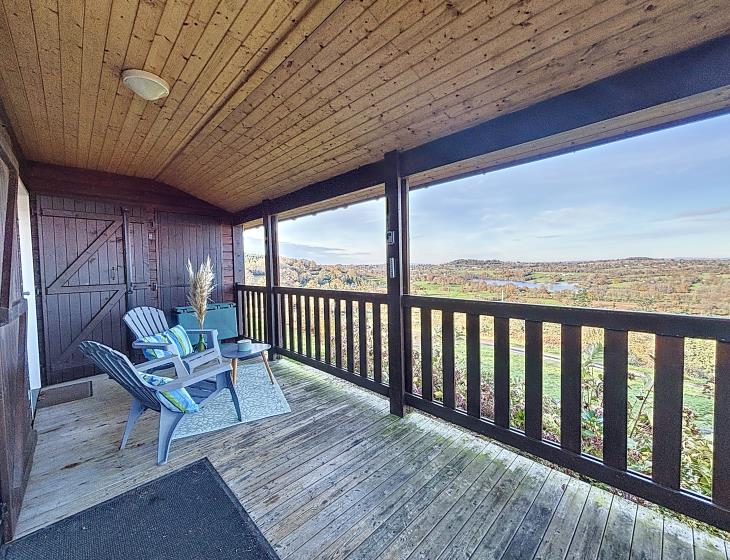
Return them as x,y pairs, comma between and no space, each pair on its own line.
550,287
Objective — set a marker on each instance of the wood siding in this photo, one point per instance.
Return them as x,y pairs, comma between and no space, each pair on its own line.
17,437
101,252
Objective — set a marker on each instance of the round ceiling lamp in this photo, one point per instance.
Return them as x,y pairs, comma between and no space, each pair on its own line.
145,84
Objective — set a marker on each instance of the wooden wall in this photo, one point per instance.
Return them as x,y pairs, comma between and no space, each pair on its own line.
17,437
106,243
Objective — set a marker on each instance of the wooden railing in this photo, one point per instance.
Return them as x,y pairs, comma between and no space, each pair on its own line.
251,305
343,333
339,332
670,331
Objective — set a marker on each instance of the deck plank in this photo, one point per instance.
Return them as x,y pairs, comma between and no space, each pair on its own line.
529,535
619,532
339,477
592,523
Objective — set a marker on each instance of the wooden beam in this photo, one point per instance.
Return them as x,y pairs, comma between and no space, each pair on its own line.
273,278
396,198
58,180
352,181
667,79
691,72
239,272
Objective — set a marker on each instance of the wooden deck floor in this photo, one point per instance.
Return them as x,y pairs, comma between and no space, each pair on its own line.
341,478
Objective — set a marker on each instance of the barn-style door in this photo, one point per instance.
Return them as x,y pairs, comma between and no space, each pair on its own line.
94,266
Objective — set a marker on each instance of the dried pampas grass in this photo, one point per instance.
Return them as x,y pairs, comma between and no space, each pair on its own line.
201,288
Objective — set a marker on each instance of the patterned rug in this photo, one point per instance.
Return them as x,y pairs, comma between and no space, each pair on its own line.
258,398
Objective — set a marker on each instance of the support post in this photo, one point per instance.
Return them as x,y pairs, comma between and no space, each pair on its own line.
271,266
239,276
396,200
239,259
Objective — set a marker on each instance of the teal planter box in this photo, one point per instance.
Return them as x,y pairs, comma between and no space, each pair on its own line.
220,316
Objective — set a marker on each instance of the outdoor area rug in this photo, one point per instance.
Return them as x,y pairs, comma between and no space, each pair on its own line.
189,513
258,398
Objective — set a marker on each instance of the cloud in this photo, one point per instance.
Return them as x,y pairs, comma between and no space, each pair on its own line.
702,213
302,251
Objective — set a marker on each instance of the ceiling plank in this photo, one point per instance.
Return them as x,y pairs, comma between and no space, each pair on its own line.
96,22
268,96
45,18
71,31
601,58
21,30
123,14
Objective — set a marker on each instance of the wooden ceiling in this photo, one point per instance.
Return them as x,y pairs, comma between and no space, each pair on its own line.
268,96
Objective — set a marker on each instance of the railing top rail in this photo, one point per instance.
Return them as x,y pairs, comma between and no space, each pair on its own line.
336,294
666,324
249,288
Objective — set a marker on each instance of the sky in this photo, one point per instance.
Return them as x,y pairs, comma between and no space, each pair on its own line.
664,194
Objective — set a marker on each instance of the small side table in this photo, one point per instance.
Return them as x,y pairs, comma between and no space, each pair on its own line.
231,351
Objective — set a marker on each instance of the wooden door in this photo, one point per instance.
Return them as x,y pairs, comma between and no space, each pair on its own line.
17,437
182,237
93,265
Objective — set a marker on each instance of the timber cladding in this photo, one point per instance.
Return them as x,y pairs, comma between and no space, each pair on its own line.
269,96
17,437
104,244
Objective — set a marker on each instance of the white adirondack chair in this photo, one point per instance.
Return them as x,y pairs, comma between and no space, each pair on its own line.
202,386
147,321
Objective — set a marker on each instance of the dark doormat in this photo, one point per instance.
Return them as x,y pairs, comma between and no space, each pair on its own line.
187,514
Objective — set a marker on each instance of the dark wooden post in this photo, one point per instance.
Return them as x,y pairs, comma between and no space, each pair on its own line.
239,259
271,266
239,276
396,199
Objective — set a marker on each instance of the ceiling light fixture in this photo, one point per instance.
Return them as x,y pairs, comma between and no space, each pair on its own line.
145,84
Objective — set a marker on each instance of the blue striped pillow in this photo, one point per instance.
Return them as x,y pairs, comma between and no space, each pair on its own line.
178,400
177,336
154,353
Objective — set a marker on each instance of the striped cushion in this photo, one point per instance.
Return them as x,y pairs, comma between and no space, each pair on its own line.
154,353
178,400
177,336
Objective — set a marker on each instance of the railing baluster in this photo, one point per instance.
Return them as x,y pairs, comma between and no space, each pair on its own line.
721,435
250,311
317,330
407,350
501,371
615,397
668,388
262,314
254,315
300,324
338,333
327,332
308,324
533,379
426,355
447,353
362,326
473,366
241,312
377,344
290,341
283,318
570,390
350,336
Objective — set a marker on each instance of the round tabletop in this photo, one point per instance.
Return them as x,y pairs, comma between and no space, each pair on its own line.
230,350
